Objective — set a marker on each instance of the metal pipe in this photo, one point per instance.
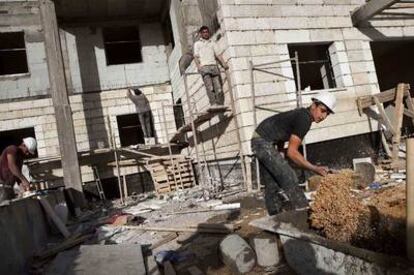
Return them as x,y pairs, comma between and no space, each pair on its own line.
236,125
274,62
299,96
114,147
410,197
254,119
194,129
169,146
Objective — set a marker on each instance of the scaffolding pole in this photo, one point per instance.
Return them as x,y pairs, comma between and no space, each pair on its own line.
195,140
114,147
169,147
236,125
252,86
298,94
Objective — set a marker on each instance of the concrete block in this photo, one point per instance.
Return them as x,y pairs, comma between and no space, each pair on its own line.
267,251
36,53
341,69
292,36
265,37
325,35
237,254
241,38
363,66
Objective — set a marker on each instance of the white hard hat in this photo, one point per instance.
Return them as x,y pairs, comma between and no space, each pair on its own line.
31,144
327,99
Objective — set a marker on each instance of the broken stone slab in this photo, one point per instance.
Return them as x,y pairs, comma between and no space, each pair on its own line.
267,251
237,254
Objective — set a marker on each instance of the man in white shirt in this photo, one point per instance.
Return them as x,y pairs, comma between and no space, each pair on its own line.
205,55
144,113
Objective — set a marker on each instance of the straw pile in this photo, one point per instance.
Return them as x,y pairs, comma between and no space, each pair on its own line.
337,213
376,222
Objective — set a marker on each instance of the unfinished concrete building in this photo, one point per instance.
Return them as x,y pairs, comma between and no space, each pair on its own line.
98,42
66,65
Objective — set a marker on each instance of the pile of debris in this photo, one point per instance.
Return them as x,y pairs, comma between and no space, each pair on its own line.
372,218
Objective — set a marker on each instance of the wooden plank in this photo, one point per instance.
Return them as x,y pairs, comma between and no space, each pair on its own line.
370,9
54,217
384,116
386,96
410,106
399,109
178,229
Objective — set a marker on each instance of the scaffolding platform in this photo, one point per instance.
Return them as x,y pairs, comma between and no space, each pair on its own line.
199,119
105,155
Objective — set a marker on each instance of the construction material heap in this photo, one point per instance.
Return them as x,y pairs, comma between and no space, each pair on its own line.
372,219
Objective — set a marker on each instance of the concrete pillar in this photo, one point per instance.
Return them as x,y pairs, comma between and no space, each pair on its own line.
63,113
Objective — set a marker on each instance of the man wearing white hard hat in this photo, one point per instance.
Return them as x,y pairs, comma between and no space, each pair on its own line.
11,162
282,191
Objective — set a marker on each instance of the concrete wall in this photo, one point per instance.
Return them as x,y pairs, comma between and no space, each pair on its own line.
24,230
24,16
260,31
87,60
92,115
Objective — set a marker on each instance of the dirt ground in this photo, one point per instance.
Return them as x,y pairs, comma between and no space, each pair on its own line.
372,219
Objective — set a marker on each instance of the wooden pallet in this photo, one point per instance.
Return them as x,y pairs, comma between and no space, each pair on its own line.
171,174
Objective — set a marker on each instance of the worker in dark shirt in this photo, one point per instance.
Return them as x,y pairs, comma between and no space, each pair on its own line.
11,162
282,191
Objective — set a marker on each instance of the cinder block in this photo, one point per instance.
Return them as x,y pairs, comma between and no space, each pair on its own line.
362,66
325,35
292,36
241,38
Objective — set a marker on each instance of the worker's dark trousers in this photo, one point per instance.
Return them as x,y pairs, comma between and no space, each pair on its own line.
145,119
214,86
282,191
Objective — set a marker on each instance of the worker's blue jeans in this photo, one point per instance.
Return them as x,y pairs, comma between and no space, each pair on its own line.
282,190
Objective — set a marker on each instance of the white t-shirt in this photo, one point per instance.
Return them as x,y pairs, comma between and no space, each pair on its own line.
205,51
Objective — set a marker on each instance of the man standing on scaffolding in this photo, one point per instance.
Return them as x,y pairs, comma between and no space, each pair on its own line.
205,55
144,113
282,190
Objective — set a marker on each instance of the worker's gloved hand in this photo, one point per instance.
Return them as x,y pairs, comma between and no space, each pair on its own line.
321,170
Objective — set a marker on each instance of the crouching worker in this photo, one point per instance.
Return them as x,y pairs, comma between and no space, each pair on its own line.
11,162
282,191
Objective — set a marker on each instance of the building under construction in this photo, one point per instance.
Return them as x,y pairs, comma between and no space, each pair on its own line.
66,67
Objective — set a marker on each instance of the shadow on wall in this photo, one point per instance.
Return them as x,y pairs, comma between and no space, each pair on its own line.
214,131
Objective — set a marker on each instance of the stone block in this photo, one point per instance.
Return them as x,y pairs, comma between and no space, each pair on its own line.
325,35
363,66
267,251
341,69
292,36
241,37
